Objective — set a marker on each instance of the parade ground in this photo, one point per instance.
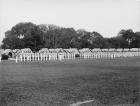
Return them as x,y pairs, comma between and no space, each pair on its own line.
105,82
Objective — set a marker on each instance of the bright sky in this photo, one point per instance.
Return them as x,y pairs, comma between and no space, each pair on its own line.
107,17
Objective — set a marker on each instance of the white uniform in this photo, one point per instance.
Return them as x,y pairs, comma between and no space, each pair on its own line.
0,58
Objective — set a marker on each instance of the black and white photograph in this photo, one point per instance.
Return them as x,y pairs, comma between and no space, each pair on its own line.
69,52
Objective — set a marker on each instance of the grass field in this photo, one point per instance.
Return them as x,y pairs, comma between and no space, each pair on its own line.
55,83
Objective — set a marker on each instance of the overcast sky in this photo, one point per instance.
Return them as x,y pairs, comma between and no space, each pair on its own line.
107,17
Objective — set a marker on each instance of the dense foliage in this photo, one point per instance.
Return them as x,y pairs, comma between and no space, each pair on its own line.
29,35
4,57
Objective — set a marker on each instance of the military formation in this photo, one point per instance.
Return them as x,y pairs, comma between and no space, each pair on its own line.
46,54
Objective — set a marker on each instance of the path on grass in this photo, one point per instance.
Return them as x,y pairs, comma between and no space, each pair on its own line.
80,103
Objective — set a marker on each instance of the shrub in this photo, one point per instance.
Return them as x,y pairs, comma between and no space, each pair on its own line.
4,57
77,55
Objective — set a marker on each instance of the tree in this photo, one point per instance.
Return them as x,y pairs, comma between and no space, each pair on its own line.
23,35
83,38
136,42
96,40
128,35
11,41
34,41
29,35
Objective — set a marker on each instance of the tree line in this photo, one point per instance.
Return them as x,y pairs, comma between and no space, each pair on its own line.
30,35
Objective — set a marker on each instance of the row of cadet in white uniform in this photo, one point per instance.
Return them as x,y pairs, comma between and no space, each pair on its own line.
68,56
63,54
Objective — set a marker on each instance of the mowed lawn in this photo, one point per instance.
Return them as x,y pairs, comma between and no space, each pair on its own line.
60,83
